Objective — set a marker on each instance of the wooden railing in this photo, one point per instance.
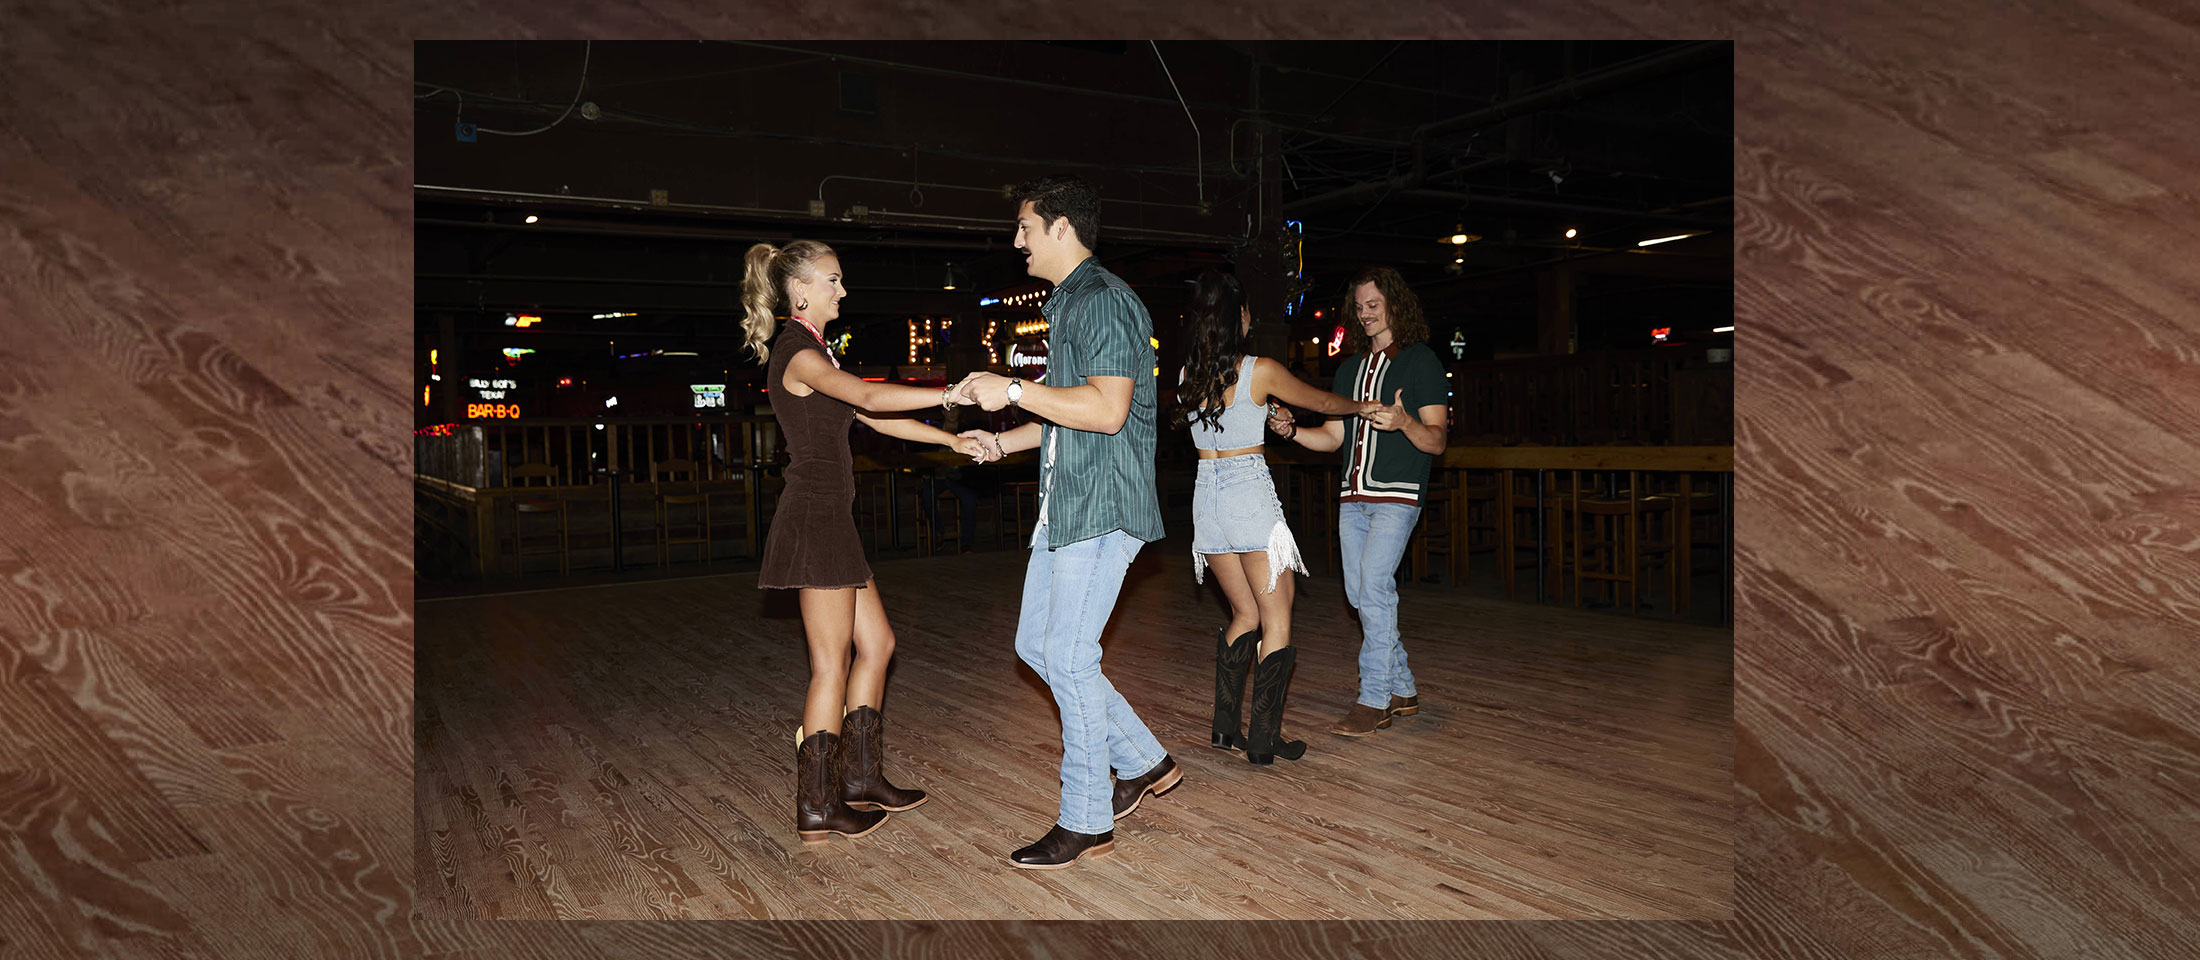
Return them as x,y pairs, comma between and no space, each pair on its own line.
582,451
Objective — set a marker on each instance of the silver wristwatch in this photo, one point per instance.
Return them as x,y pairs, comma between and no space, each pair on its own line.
1015,392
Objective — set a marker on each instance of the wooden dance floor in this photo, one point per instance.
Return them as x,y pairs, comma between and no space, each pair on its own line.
627,751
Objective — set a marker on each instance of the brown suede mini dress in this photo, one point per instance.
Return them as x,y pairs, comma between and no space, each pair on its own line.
813,541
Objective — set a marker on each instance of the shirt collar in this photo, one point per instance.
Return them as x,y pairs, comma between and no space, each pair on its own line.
1085,266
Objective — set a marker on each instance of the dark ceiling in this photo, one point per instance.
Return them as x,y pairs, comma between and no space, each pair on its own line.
898,155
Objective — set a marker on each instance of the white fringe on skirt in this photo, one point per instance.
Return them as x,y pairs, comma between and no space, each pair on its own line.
1283,551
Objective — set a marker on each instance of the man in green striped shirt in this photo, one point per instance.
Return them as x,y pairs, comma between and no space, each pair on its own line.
1097,507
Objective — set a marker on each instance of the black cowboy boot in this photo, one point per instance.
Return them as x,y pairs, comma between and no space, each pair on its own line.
1231,661
1264,731
863,784
1061,847
818,810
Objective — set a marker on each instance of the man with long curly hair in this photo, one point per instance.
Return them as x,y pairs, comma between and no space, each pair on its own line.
1387,458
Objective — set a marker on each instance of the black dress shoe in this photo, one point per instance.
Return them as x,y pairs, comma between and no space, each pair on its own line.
1156,781
1061,847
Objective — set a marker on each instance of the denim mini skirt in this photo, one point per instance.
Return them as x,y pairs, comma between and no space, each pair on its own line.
1235,510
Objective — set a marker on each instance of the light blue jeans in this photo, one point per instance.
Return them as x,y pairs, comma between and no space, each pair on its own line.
1373,537
1068,595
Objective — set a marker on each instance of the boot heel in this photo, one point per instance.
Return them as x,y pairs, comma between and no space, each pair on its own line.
1228,741
1261,759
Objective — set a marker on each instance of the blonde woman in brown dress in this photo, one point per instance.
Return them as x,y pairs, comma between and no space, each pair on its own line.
839,784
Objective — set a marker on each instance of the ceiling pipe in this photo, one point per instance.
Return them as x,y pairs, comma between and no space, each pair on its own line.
1576,90
1523,203
1569,92
876,219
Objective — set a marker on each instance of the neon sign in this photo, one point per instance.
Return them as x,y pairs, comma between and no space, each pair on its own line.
708,394
492,389
492,411
1658,334
1336,340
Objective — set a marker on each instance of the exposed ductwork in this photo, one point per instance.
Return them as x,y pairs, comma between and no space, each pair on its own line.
1571,91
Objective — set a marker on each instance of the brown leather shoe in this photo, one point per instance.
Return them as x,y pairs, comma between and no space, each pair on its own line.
1363,720
1157,781
1404,706
1061,847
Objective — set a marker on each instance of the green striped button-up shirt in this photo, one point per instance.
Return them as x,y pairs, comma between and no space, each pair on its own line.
1097,483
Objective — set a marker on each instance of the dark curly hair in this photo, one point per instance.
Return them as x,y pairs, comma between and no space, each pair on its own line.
1070,197
1216,334
1407,325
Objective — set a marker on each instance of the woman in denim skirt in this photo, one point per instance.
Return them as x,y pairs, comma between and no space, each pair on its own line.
1223,397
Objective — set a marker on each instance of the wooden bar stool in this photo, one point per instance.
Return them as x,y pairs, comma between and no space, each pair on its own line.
871,512
1437,532
1010,504
1317,506
1478,513
546,504
1517,511
696,531
1694,510
934,528
1609,544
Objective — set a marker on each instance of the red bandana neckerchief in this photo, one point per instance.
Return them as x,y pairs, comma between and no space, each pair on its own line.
820,341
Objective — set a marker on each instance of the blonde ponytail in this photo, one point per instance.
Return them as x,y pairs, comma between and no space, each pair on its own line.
757,299
764,288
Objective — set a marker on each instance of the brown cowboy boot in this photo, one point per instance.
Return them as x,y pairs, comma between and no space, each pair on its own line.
1363,720
863,785
818,810
1404,706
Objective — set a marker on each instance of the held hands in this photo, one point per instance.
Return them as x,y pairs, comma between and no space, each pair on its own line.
971,447
985,443
959,392
1282,423
987,390
1391,417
